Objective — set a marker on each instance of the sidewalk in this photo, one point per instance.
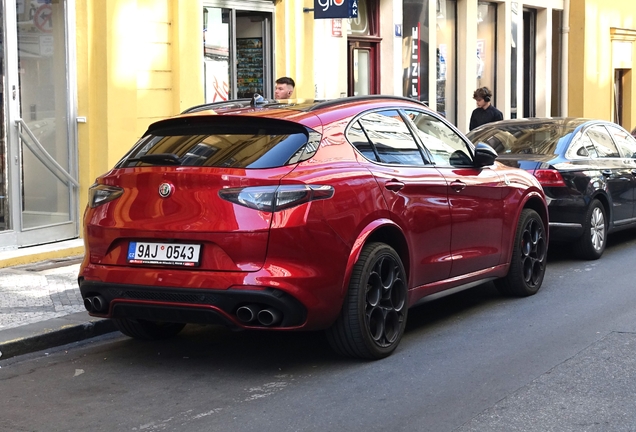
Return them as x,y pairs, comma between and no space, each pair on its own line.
41,307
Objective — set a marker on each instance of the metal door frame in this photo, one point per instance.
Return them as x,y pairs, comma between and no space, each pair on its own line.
16,131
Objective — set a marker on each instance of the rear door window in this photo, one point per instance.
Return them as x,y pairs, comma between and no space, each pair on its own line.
603,143
625,141
582,148
224,142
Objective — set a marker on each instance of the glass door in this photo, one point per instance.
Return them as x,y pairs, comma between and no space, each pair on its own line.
361,66
42,167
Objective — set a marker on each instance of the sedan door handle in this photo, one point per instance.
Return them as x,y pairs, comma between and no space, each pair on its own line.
394,185
458,186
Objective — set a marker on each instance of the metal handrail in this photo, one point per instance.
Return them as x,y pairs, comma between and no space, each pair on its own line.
47,156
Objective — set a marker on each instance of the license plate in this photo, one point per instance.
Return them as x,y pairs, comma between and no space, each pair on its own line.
164,253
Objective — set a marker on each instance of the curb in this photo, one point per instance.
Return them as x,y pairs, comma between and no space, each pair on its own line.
51,333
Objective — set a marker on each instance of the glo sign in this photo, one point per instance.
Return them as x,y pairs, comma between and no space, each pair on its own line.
335,9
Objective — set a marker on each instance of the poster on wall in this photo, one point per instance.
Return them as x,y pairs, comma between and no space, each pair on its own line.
249,52
216,80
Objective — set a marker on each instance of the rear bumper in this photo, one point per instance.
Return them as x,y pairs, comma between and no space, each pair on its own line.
202,306
563,232
566,214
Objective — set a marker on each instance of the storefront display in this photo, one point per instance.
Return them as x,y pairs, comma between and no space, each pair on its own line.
250,67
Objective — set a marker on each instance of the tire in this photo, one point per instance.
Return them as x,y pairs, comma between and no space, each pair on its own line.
529,256
147,330
373,316
592,243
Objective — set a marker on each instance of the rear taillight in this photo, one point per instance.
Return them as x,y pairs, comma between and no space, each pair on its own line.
549,177
99,194
276,198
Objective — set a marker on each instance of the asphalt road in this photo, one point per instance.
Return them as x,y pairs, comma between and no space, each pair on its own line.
561,360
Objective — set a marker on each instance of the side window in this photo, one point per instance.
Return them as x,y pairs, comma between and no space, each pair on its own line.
625,142
604,145
392,139
582,148
444,144
357,138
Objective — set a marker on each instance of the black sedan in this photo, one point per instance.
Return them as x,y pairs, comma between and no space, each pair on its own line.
586,167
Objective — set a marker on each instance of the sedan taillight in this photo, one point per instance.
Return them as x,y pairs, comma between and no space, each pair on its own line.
276,198
549,178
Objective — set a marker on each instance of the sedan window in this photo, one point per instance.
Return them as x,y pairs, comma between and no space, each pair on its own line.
446,147
624,140
603,143
581,148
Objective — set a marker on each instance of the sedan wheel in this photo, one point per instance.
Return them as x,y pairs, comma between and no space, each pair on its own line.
529,256
373,315
592,244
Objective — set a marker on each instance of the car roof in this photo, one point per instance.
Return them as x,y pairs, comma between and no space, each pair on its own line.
310,113
305,105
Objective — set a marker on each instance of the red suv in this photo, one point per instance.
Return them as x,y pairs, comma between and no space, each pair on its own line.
335,215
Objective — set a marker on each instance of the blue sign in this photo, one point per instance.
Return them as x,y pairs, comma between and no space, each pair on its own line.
335,9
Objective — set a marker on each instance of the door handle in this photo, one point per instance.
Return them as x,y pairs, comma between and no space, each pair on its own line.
394,185
458,186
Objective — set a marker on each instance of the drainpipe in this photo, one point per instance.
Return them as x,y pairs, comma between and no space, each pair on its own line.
565,31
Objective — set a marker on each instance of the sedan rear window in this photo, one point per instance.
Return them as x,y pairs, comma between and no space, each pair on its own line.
223,142
524,138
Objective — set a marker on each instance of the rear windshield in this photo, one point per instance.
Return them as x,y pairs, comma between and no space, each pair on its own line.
238,142
524,138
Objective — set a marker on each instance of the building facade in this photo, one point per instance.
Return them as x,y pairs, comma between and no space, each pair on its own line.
82,79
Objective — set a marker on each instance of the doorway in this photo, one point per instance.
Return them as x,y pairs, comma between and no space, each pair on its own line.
619,79
363,58
38,153
529,62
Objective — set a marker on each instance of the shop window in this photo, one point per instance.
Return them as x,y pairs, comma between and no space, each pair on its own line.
237,47
486,45
447,59
415,49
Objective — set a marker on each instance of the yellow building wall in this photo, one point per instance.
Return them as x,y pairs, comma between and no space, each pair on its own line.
590,65
293,49
137,61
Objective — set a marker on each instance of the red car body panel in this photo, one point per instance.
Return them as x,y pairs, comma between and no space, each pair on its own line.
451,226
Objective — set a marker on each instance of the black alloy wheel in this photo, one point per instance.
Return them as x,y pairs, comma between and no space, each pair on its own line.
529,256
373,316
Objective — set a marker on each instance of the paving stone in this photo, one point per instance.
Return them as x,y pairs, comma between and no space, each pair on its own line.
27,296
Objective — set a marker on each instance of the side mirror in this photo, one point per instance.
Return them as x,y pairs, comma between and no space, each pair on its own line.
484,155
